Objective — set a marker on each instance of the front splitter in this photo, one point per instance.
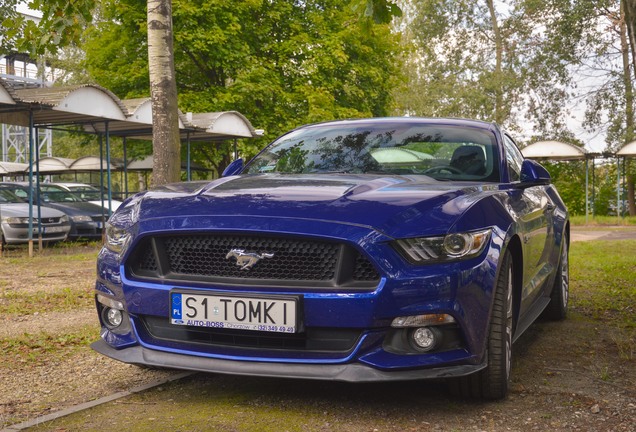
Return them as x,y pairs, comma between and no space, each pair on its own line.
349,372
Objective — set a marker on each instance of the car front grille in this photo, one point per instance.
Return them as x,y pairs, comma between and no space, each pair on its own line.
46,222
328,341
278,261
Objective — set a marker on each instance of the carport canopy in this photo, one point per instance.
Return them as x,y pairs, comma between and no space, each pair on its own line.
628,150
560,151
99,111
554,150
7,168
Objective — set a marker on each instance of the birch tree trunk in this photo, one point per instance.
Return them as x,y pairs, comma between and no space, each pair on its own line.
163,91
630,133
498,85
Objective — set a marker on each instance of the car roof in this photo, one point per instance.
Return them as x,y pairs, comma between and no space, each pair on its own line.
441,121
71,184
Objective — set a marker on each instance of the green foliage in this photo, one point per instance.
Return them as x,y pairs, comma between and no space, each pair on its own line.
453,69
280,63
117,50
569,178
9,33
62,24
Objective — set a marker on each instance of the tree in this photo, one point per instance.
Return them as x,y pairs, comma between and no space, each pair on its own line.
61,25
8,36
163,90
498,61
281,63
611,103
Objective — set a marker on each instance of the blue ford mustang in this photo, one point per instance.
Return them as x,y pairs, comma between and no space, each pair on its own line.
357,250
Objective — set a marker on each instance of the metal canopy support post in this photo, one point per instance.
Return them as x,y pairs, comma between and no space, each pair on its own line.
30,235
235,150
125,170
37,184
624,195
593,187
189,175
101,171
108,174
587,192
618,188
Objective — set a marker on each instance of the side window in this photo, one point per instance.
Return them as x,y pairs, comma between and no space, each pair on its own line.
514,159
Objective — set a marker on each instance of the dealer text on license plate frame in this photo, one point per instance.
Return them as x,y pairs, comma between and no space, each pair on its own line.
270,314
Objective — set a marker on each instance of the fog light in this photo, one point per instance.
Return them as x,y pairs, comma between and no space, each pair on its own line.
113,317
425,338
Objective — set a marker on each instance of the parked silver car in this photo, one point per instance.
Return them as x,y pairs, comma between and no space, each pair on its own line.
86,219
14,216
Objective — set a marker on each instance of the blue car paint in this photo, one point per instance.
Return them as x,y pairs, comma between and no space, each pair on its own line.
367,212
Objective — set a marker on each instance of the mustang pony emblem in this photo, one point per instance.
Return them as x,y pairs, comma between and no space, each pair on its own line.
246,260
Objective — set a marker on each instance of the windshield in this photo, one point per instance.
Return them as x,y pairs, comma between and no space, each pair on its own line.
86,193
6,196
57,194
441,152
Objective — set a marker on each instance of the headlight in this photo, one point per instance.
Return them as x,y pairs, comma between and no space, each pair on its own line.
424,250
64,219
17,220
82,218
116,238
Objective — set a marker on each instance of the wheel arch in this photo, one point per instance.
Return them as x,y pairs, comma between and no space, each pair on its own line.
516,252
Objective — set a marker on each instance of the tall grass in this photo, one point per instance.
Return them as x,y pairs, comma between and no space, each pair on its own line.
603,288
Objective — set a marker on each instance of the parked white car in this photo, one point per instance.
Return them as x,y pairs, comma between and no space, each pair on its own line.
89,193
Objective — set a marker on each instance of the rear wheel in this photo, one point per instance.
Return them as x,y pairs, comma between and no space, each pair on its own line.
557,309
493,381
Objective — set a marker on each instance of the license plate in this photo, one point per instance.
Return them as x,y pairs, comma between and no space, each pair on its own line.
271,314
54,229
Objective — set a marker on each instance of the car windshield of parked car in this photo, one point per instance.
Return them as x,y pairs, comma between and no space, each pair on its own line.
86,192
8,197
57,195
442,152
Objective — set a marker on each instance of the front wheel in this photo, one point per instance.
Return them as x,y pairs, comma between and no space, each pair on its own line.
557,309
493,381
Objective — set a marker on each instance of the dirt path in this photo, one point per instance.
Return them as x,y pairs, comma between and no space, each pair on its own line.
600,233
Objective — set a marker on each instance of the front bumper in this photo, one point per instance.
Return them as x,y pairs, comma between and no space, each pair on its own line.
18,234
350,372
92,230
462,290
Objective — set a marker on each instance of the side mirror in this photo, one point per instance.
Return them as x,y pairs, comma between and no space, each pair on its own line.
533,174
234,168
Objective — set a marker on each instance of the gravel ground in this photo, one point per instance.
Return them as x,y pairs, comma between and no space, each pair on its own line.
566,376
35,380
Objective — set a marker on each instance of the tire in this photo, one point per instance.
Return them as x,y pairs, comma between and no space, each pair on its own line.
492,382
557,309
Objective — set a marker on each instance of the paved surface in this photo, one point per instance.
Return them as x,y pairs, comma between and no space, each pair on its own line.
601,233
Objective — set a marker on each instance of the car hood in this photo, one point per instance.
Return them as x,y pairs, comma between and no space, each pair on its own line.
77,208
22,210
397,206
